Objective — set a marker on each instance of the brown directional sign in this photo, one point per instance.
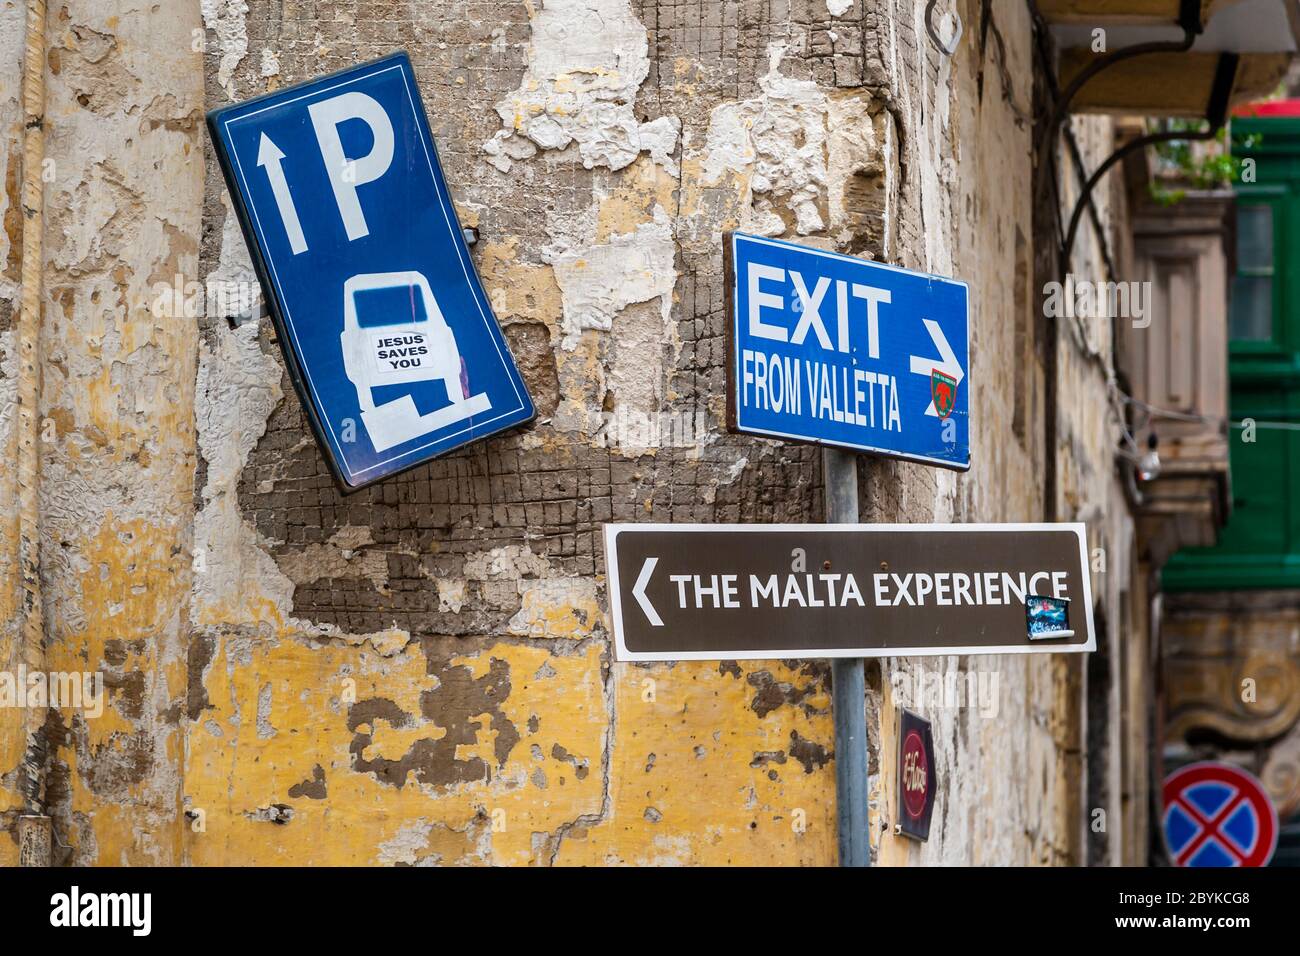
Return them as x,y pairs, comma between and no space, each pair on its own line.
725,592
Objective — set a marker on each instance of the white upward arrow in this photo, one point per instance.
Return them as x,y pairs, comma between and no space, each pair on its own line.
638,592
269,156
947,362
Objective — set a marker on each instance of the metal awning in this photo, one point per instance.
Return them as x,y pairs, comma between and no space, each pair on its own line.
1262,35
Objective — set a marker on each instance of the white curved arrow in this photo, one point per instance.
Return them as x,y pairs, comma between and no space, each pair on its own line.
947,362
268,157
638,592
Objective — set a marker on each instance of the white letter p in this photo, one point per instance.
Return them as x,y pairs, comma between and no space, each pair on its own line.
326,117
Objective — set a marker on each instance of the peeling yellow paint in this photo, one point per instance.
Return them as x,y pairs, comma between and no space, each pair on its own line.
689,785
557,607
642,186
231,772
519,290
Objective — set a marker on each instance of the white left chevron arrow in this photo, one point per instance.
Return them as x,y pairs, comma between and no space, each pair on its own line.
947,362
638,592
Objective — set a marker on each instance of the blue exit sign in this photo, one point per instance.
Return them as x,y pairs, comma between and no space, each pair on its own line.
834,350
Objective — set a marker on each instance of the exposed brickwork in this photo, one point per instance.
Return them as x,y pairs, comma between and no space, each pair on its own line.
553,499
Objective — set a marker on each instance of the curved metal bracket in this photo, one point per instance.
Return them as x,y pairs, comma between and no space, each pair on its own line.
947,49
1224,76
1189,18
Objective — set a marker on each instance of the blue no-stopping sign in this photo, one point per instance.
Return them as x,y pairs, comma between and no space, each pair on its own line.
1218,815
384,324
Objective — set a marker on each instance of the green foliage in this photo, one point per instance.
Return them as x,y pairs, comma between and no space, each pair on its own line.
1194,164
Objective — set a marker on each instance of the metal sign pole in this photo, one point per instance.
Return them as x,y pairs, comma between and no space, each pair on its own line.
840,469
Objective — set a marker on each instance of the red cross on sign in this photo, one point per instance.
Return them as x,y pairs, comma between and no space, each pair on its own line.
1218,815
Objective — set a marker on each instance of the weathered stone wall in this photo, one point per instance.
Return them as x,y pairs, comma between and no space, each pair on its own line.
12,32
420,673
123,197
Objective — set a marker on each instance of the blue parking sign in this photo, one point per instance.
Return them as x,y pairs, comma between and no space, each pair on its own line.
382,318
834,350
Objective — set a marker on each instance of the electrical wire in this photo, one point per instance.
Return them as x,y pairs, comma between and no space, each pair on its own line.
1157,411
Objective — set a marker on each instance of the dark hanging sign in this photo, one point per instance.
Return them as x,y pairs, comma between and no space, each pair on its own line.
917,781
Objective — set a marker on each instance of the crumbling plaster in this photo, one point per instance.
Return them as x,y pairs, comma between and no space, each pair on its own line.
123,194
12,34
427,662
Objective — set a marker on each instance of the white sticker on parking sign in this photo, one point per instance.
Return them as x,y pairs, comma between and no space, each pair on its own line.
398,353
